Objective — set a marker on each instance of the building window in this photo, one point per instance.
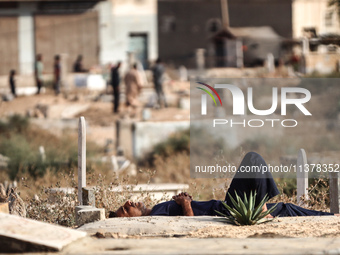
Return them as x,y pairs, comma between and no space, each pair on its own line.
309,32
168,24
213,25
329,19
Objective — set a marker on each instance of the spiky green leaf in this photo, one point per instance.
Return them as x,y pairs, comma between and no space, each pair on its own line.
244,213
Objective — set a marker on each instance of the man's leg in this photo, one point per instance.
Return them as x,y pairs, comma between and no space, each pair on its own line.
245,182
116,98
163,96
158,92
39,86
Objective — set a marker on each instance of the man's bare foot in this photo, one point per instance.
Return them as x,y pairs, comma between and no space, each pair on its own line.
269,216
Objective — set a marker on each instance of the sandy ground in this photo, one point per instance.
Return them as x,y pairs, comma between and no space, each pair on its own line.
304,228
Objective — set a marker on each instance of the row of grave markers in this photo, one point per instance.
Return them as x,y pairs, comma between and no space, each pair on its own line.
302,183
301,174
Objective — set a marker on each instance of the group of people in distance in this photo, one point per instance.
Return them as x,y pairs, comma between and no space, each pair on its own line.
132,80
133,85
39,71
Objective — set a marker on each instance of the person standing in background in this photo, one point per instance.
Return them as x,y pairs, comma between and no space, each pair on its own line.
115,80
12,82
39,68
57,74
78,65
133,87
158,73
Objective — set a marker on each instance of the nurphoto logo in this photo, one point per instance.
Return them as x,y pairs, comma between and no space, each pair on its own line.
239,103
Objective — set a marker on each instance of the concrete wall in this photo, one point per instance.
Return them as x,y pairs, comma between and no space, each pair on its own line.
148,134
69,35
8,45
37,32
312,13
118,19
21,47
138,138
322,63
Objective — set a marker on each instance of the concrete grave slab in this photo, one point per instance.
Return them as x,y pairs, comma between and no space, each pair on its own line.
253,246
151,225
210,226
19,234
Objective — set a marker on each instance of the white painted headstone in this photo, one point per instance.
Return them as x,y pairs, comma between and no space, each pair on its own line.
270,63
305,46
183,73
81,158
200,59
239,54
334,185
301,176
42,153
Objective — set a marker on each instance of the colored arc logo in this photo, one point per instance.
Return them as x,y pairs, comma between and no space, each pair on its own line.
208,92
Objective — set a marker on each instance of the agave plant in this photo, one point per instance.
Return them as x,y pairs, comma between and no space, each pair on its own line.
245,212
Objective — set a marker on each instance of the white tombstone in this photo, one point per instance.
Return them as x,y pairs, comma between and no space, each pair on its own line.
305,46
183,73
42,153
200,60
334,194
270,63
301,176
239,54
81,158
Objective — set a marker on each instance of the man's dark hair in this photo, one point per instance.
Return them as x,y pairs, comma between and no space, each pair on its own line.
56,57
112,214
135,66
158,61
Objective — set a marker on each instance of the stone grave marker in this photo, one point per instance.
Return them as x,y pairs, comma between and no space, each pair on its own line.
334,185
81,158
301,176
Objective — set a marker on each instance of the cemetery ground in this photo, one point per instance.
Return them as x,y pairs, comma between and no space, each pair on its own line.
169,163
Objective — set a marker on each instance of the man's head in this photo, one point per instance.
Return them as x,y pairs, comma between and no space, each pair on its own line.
131,209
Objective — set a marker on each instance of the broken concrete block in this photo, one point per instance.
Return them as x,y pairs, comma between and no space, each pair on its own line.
19,234
4,208
89,196
86,214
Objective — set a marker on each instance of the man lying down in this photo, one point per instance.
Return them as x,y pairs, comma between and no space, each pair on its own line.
183,205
